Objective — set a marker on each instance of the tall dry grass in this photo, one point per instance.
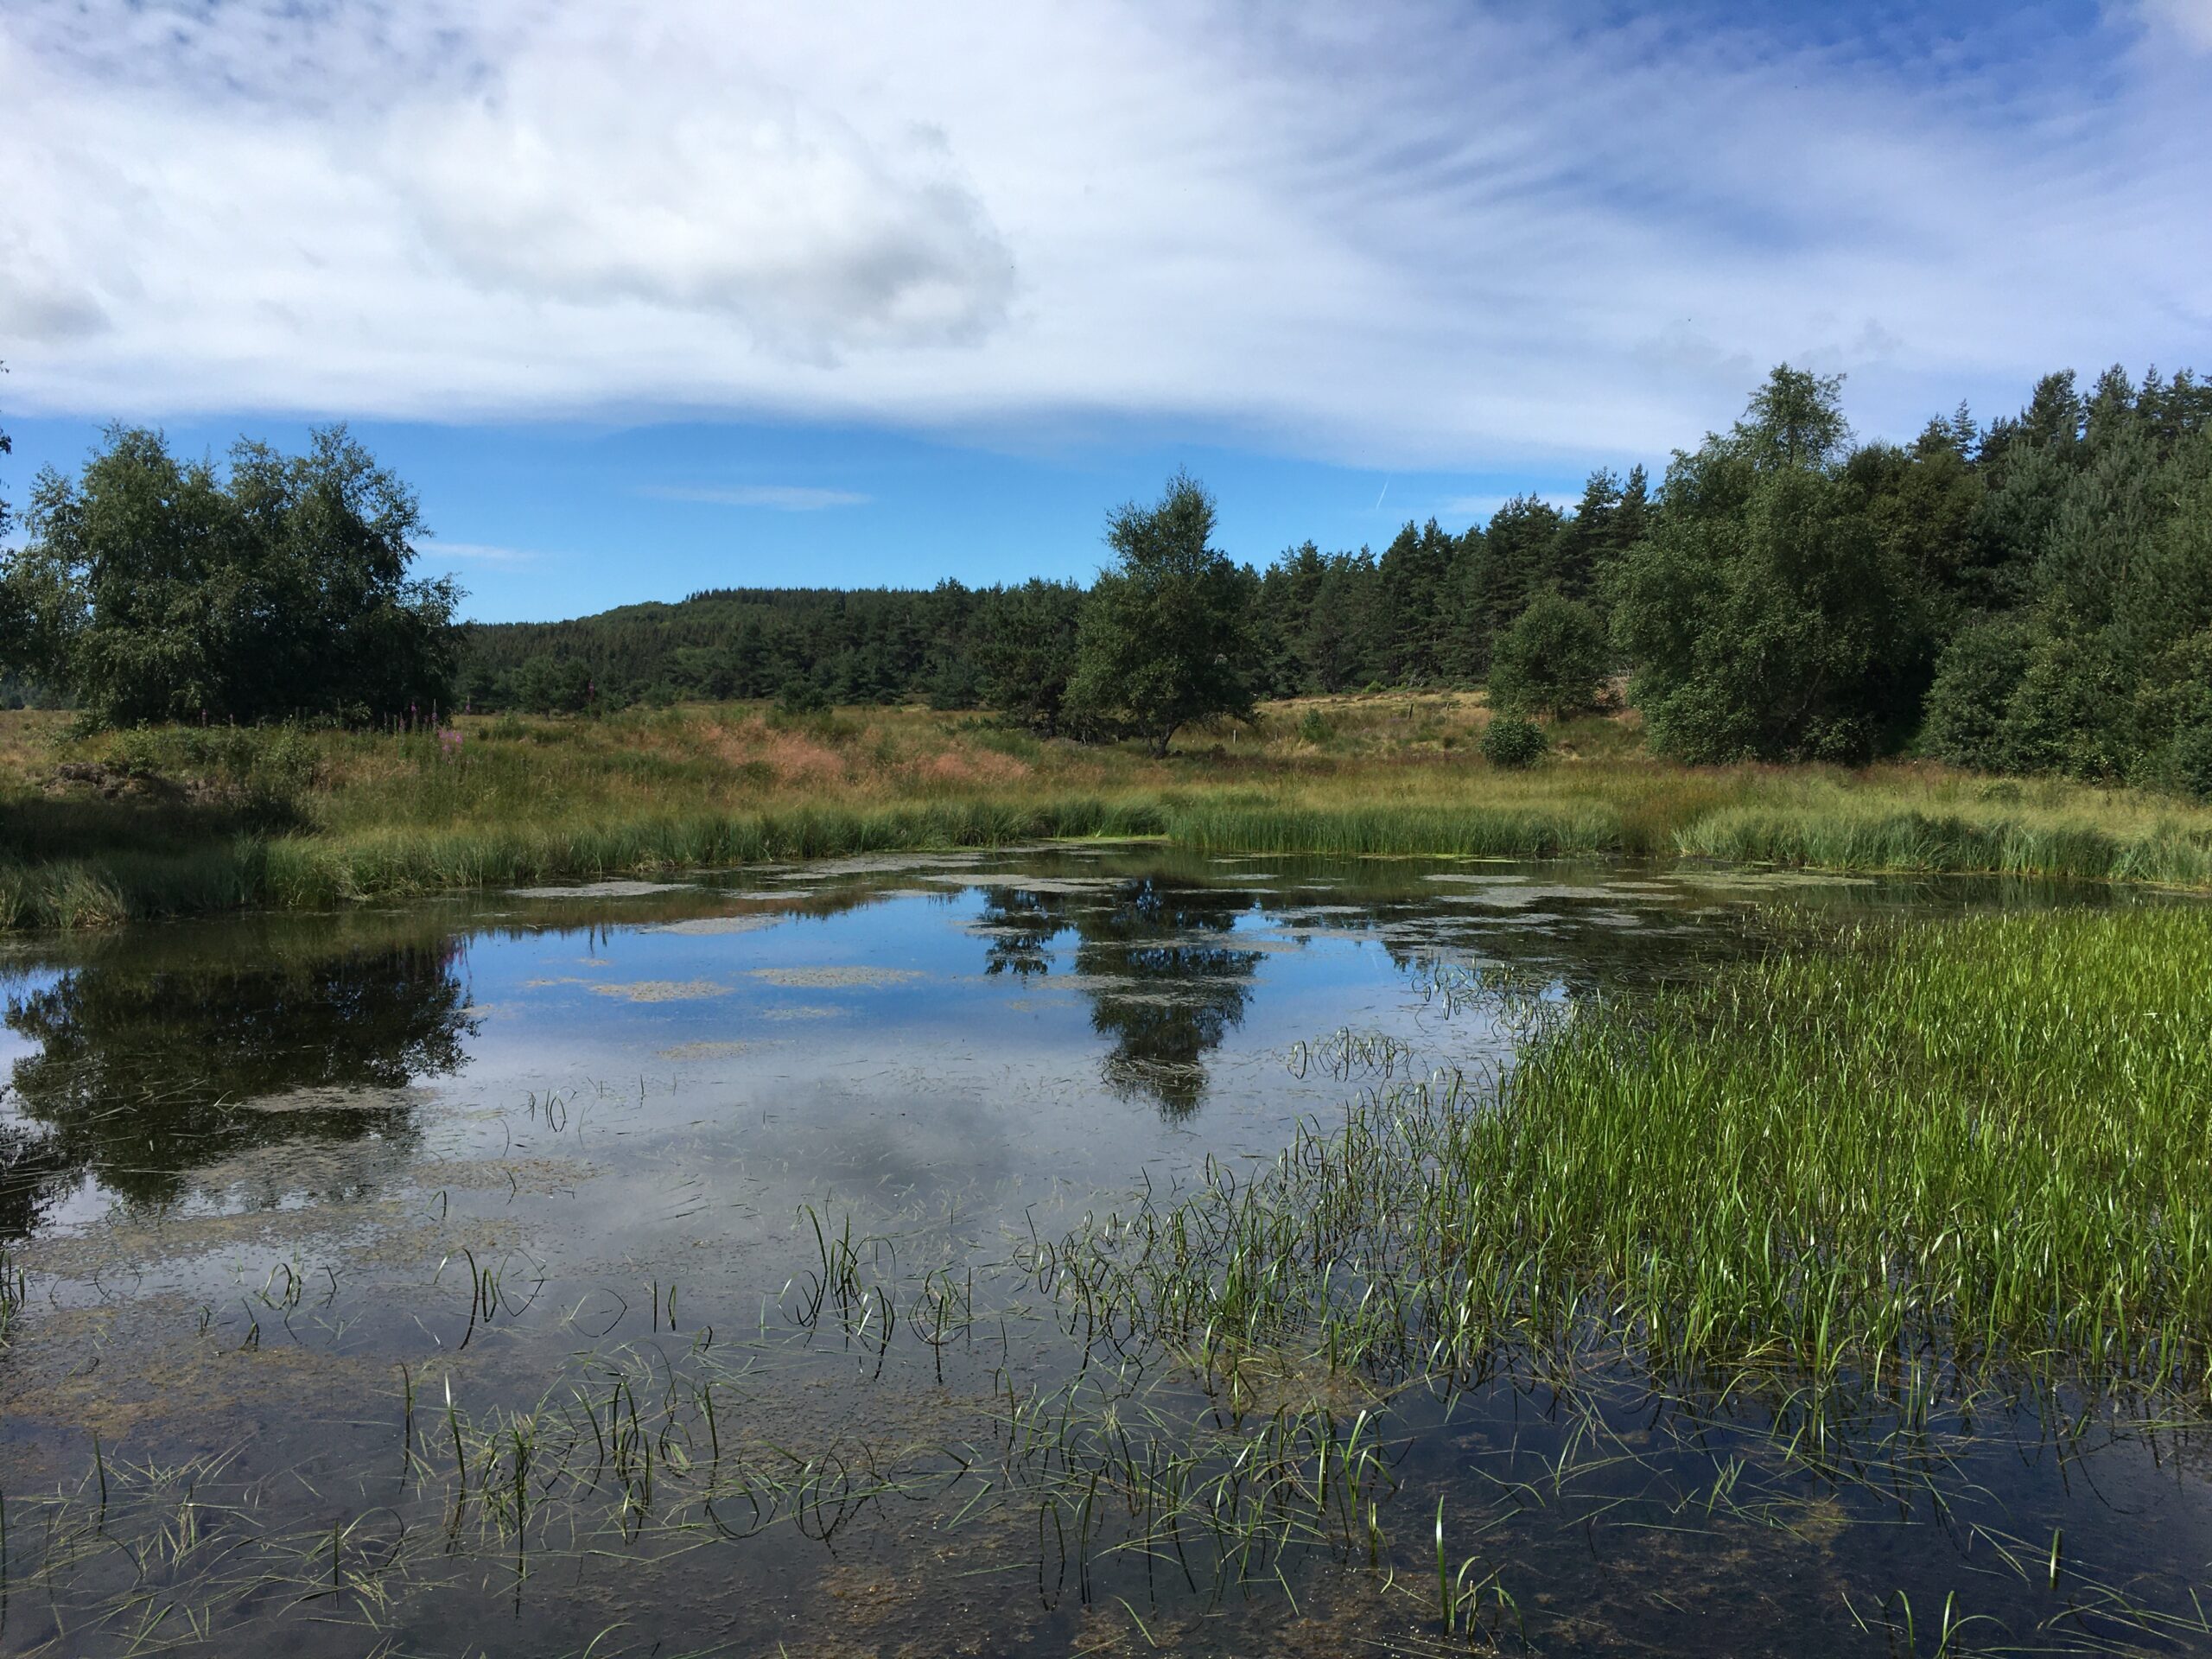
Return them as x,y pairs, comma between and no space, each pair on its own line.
521,799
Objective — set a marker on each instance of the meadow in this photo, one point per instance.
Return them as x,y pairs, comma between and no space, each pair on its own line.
100,830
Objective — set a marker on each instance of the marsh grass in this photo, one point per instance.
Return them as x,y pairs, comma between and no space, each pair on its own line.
318,820
1894,1158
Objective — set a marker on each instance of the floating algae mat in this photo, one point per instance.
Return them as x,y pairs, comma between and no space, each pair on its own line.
1092,1250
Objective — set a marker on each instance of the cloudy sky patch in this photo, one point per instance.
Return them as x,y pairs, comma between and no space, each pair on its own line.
1410,235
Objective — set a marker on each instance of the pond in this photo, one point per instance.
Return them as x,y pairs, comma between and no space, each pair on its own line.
670,1267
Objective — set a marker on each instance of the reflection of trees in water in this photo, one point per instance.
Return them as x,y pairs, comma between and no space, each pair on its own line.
1158,960
141,1072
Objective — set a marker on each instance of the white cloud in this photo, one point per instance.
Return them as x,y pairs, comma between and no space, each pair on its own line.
1410,235
473,553
782,497
2188,21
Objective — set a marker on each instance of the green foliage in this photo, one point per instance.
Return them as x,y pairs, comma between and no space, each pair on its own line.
2173,719
1314,727
1162,640
552,685
1514,743
1552,661
1794,421
1414,584
1766,616
277,757
864,646
801,695
162,590
1975,680
2092,662
1025,652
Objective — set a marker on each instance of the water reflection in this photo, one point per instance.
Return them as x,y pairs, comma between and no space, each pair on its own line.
1158,960
144,1073
150,1058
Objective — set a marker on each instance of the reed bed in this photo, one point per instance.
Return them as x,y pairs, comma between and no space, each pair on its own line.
1873,835
352,817
1900,1157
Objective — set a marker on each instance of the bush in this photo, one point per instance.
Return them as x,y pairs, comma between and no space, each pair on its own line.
278,758
2186,762
1975,680
261,770
801,696
2173,720
553,685
1314,727
2064,719
1551,661
1514,743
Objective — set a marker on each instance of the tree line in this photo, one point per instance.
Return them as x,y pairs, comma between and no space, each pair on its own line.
2032,595
1423,612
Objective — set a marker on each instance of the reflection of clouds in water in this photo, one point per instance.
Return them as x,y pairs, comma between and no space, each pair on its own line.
830,870
1056,885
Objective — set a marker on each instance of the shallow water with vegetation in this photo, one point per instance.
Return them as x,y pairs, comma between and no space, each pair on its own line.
1105,1248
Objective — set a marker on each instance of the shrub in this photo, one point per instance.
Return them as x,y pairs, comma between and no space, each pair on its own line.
2187,762
1551,661
262,770
1314,727
1513,743
281,758
801,696
2173,720
2062,718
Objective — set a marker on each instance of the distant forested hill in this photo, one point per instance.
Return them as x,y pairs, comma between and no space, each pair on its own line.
866,645
2033,594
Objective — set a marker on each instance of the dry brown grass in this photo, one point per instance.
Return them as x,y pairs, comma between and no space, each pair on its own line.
531,800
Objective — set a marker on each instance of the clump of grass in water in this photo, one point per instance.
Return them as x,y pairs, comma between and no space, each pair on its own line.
1970,1148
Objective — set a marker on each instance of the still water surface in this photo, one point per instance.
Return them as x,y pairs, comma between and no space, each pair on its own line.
447,1280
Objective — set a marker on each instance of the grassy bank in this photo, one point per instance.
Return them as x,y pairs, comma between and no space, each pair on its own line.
105,829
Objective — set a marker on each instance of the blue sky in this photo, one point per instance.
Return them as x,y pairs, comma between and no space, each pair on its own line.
646,300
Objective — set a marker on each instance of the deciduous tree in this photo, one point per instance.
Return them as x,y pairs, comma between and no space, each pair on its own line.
1162,639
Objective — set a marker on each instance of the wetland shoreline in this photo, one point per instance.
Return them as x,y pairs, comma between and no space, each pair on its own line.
103,830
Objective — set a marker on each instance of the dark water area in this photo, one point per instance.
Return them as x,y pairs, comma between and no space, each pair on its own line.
651,1267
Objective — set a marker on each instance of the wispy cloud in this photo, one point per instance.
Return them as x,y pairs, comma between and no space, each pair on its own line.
780,498
1420,233
2188,21
432,552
